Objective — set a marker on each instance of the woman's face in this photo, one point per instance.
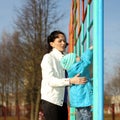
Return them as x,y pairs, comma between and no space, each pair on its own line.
59,43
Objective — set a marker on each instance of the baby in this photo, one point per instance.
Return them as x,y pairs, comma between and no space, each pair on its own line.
80,95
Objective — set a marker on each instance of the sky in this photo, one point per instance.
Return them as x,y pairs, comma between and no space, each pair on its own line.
111,27
8,14
111,37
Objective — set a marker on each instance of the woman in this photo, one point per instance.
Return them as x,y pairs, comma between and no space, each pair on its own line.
53,79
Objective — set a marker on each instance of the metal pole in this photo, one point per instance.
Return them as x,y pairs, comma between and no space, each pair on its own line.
98,60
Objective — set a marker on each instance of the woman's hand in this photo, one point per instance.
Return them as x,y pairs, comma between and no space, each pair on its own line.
78,80
41,116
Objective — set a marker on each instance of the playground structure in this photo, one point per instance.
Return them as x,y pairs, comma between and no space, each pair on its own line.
86,27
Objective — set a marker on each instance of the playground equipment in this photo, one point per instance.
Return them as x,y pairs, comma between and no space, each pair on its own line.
86,27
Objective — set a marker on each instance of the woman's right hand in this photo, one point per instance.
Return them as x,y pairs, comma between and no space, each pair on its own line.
78,80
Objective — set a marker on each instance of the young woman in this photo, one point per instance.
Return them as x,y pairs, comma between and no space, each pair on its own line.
53,79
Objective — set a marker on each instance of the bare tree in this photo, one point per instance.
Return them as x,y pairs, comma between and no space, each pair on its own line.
34,22
5,68
10,67
17,68
113,87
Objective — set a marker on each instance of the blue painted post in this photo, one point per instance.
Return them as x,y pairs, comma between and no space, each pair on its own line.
88,24
98,59
82,37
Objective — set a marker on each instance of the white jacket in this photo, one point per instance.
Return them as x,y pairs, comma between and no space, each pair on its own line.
53,78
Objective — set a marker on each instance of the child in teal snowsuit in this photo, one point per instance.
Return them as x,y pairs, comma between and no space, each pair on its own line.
80,96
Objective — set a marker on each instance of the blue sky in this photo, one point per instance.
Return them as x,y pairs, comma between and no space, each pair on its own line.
7,14
112,36
111,27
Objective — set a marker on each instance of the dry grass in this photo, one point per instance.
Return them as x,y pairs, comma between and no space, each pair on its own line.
13,118
109,117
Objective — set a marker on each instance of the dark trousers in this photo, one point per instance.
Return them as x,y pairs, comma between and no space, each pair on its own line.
54,112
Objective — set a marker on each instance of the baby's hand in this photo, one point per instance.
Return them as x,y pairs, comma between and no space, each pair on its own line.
91,47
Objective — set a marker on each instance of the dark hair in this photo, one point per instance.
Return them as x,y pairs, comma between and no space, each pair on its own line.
52,37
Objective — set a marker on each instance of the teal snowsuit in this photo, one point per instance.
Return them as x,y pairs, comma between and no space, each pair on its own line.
81,95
